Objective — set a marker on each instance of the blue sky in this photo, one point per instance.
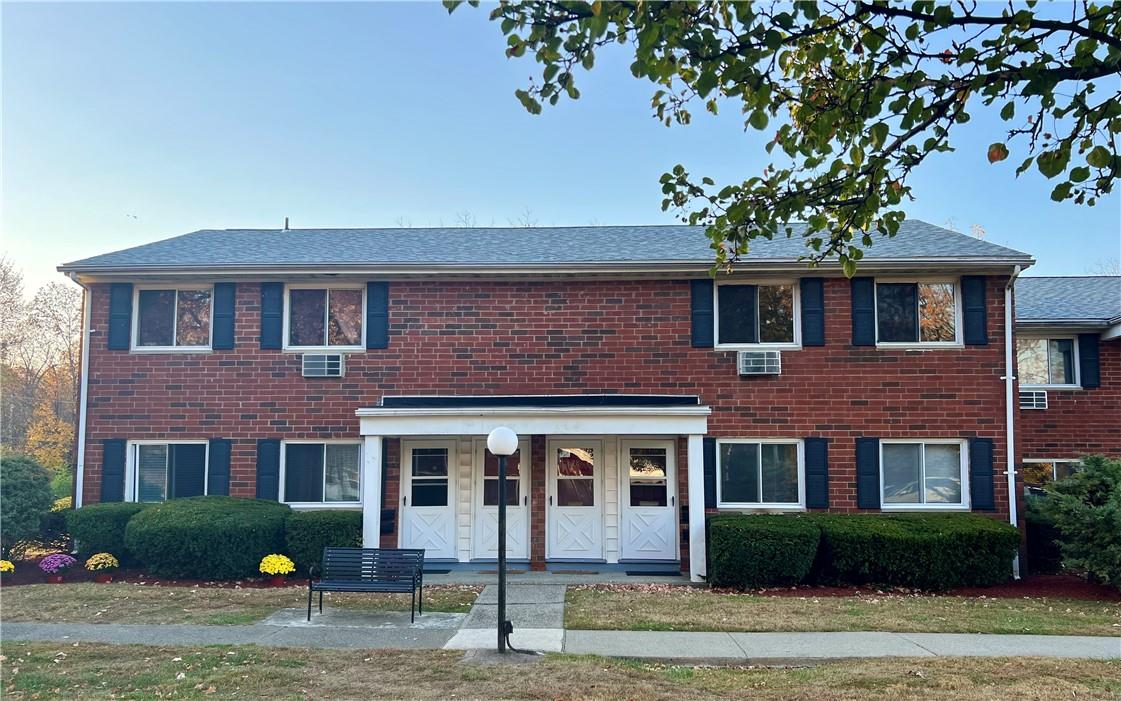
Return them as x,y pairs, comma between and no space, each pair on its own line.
128,123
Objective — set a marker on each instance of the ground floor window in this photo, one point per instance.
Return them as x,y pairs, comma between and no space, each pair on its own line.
1040,473
922,474
755,473
323,473
162,471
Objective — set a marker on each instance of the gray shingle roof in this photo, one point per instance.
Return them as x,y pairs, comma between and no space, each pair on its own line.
261,248
1089,298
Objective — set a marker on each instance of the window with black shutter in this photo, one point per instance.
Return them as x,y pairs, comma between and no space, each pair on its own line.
755,315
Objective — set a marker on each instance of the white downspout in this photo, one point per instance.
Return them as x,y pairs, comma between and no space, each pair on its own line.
83,392
1011,407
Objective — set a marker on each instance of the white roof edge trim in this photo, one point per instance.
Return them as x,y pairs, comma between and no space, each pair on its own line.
698,410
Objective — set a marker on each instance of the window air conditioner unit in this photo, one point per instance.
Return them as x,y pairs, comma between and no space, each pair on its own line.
760,362
1033,399
321,365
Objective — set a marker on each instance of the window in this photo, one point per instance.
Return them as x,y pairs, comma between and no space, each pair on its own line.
172,318
321,473
1040,473
576,469
429,477
324,317
916,312
759,473
1046,361
490,479
647,477
756,314
162,471
928,474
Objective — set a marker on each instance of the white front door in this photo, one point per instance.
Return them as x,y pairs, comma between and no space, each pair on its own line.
648,501
485,537
575,500
428,498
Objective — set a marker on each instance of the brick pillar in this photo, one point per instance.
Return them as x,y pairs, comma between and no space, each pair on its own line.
392,498
682,486
537,501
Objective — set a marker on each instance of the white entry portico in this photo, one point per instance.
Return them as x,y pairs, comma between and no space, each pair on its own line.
610,467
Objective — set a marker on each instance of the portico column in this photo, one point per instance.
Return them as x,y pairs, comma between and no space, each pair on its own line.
371,491
698,565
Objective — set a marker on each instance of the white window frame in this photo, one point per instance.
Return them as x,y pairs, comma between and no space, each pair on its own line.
134,336
800,505
963,447
958,341
326,318
320,504
797,311
1075,372
132,480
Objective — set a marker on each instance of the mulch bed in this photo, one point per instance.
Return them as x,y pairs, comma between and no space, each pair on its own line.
1059,586
28,572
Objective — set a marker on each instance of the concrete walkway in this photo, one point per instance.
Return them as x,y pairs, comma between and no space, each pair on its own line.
536,610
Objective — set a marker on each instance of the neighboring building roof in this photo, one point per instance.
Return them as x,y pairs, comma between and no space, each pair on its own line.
579,247
1094,300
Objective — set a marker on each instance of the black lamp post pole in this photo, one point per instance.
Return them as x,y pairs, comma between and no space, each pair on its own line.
502,553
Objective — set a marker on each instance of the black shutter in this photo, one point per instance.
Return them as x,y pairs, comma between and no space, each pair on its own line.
863,311
981,474
218,467
700,311
272,313
188,470
268,469
120,316
709,453
817,473
113,469
813,311
1089,360
737,306
868,473
225,294
974,310
377,315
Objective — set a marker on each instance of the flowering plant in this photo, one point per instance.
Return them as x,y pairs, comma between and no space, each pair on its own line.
102,562
277,564
6,567
57,563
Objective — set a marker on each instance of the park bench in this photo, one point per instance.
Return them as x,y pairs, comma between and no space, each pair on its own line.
391,570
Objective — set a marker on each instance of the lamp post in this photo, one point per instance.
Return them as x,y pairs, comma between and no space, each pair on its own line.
502,443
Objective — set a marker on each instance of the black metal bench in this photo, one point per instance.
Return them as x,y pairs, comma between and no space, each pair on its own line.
396,571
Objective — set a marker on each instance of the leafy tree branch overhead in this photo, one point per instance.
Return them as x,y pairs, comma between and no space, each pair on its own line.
855,95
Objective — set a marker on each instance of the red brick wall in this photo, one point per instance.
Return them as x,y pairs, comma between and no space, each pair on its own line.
555,336
1077,422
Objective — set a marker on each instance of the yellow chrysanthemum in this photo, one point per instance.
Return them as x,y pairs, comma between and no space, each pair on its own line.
6,566
277,564
102,561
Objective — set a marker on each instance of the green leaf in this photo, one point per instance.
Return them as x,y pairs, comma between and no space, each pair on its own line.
705,83
1099,157
1008,111
1061,192
1079,174
1051,163
759,119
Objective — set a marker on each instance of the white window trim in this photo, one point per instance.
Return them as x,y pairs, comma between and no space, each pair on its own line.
132,481
797,311
1075,373
958,341
322,286
800,505
320,504
134,336
963,446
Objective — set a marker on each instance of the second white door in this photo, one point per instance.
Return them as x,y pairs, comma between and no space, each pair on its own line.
485,537
427,499
648,501
575,500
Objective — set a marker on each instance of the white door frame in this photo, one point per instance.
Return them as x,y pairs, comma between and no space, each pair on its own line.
407,509
671,508
478,452
551,446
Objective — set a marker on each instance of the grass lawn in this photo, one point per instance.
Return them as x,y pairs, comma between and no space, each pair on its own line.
663,607
142,603
67,670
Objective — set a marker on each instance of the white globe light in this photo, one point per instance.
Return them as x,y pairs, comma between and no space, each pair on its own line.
502,441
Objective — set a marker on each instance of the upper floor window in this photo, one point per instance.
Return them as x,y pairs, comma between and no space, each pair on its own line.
172,318
161,471
324,317
922,474
759,473
917,312
1046,361
756,314
321,473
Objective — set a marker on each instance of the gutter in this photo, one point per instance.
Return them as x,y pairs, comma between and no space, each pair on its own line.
1010,408
83,392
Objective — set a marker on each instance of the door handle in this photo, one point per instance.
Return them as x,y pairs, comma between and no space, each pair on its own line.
525,500
673,501
405,501
550,500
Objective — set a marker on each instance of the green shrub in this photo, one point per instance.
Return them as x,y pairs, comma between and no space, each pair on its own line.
309,532
1086,507
921,551
748,552
52,526
1044,554
100,528
207,537
25,494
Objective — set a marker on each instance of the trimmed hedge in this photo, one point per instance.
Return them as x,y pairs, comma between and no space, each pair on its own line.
311,531
921,551
207,537
100,528
749,552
